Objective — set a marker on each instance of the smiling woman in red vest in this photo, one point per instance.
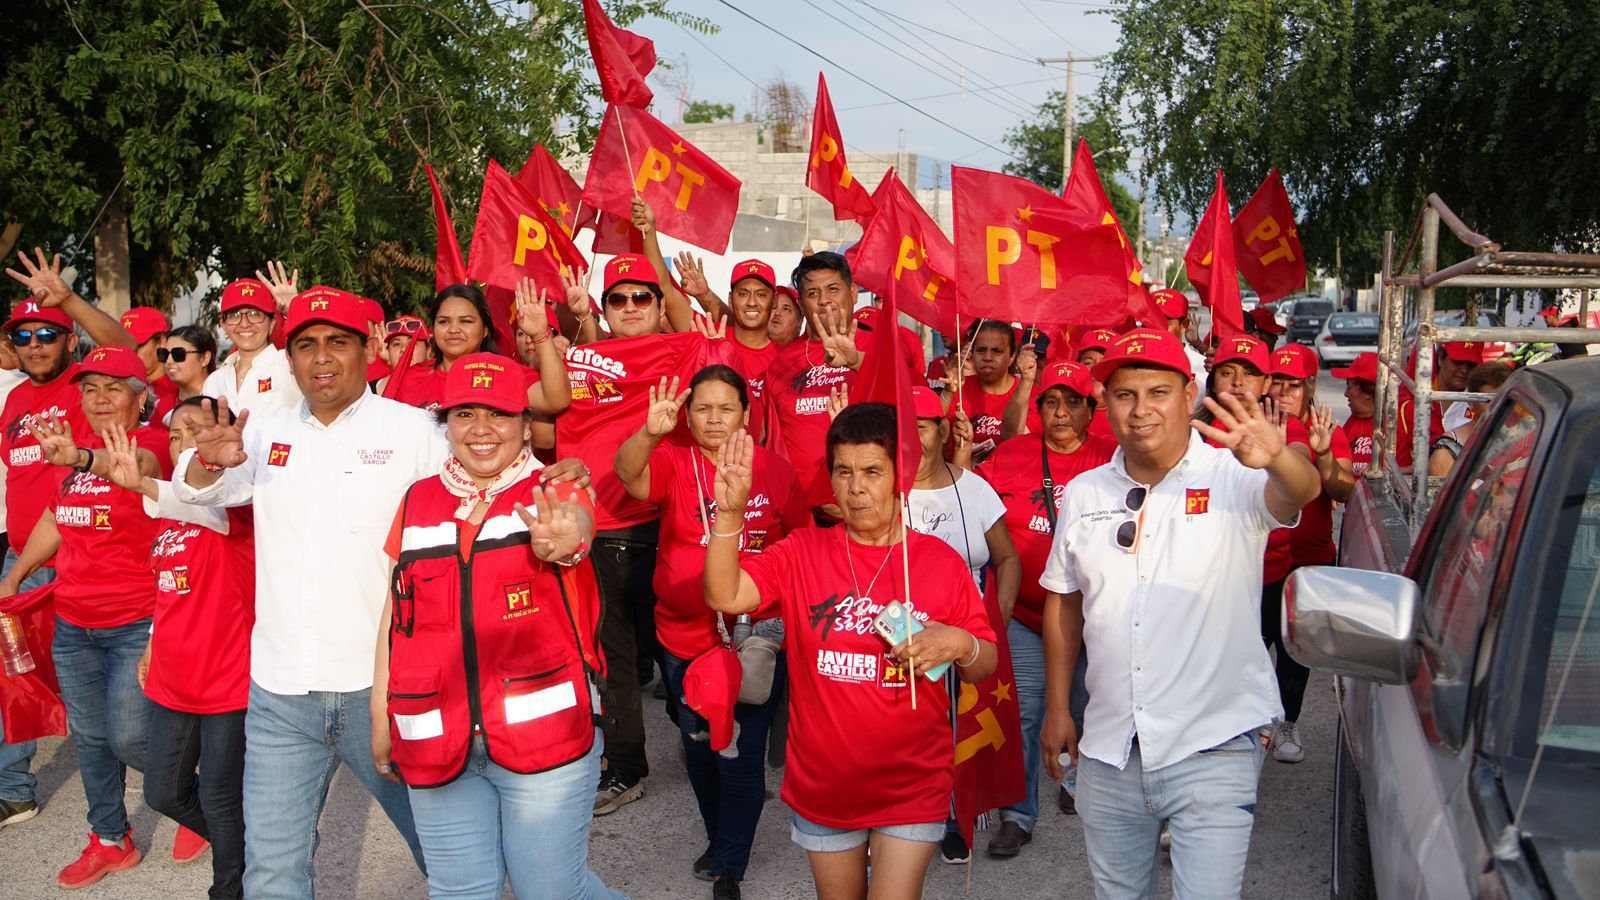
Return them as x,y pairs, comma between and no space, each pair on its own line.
489,659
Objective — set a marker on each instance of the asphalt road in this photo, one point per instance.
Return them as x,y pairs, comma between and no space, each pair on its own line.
646,848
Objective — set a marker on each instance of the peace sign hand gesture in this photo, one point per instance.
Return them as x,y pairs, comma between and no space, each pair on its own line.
735,474
1253,438
665,403
43,280
216,443
554,530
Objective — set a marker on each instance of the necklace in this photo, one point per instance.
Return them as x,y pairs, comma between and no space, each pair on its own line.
849,561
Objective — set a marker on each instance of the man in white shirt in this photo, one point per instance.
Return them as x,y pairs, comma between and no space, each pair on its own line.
256,375
1156,566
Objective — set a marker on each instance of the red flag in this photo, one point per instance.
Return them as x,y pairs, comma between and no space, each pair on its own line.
1268,242
616,234
884,377
515,238
903,253
694,199
622,59
1086,195
828,174
1210,264
448,268
1024,255
989,771
556,190
30,703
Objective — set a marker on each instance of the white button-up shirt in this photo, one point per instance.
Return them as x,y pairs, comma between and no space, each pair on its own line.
1173,631
325,497
269,384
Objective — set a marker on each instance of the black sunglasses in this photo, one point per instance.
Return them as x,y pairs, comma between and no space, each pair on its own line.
1128,531
619,300
176,354
47,336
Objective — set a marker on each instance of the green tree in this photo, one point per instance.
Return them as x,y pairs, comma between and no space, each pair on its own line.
296,129
703,111
1368,107
1038,143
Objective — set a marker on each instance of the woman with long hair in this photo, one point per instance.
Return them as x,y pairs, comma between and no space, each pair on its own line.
190,356
992,349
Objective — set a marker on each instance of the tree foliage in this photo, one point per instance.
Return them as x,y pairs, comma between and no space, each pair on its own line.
295,129
1038,141
705,111
1368,107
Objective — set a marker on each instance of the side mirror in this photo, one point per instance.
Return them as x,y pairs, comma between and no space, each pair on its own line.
1353,622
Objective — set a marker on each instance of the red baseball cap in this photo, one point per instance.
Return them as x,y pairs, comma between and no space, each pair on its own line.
629,267
248,292
1243,348
925,403
114,362
1144,347
373,310
29,311
329,306
485,379
1363,368
1265,320
711,688
1097,339
1294,361
1070,375
753,268
1550,311
788,291
1171,303
144,323
1474,352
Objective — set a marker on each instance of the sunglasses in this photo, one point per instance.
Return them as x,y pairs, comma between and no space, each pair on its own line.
403,326
47,336
248,314
176,354
620,300
1128,532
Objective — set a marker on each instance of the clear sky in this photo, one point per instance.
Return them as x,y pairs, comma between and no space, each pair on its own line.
943,56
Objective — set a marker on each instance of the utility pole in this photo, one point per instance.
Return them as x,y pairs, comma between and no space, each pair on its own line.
1067,124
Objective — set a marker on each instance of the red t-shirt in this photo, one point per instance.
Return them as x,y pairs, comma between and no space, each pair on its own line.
610,381
1359,432
32,483
1311,541
685,625
103,574
986,410
752,363
422,384
165,391
859,756
1016,473
205,607
1275,566
797,406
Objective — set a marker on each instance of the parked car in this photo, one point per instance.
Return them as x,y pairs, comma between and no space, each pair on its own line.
1346,335
1305,318
1457,317
1249,300
1468,660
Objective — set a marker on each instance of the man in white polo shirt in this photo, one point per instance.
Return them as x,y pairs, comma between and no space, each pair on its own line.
1156,565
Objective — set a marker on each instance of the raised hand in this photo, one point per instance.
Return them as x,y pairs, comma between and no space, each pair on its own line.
838,333
217,443
1321,427
665,403
1275,415
123,458
531,318
1252,438
1028,364
692,275
43,280
574,285
280,282
961,429
838,399
554,531
713,331
644,218
56,443
735,473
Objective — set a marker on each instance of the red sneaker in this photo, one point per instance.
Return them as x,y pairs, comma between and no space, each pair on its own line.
97,859
188,846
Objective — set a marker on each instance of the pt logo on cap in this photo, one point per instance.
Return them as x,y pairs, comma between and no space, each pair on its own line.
1136,347
317,305
1196,501
753,268
625,266
248,290
483,380
278,455
1241,345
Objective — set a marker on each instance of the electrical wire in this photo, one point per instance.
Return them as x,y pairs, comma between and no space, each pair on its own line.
1048,26
998,36
1031,60
978,90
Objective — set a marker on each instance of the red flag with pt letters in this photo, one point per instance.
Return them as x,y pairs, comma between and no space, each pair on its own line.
988,731
1268,242
903,253
1086,194
827,173
515,238
1210,265
694,199
556,190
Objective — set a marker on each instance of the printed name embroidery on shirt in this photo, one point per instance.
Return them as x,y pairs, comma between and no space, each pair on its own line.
594,375
519,600
375,457
839,665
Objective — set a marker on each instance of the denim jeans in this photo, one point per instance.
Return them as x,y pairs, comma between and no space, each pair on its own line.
730,786
16,760
293,745
624,569
491,822
108,714
1027,667
1208,801
212,804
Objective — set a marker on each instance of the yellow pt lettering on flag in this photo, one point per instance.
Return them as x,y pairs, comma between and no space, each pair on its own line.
530,236
1003,247
910,256
657,166
989,733
828,152
1267,232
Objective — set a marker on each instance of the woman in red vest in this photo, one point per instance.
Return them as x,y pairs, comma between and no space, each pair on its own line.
489,656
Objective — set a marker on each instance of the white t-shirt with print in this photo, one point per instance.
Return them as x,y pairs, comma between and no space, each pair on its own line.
960,515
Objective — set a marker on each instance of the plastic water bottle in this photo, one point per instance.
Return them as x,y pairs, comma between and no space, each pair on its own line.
1069,775
14,652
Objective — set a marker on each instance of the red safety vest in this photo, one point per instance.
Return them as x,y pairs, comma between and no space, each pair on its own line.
501,645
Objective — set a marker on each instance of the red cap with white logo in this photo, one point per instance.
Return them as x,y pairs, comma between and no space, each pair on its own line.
29,311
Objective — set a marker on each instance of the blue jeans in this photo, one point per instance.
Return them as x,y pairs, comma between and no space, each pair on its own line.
16,760
210,804
107,712
1027,667
730,786
293,745
1208,801
491,822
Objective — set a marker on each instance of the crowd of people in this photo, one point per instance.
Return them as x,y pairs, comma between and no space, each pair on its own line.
538,516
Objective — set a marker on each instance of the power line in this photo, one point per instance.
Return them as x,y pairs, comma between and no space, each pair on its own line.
1047,25
959,40
906,103
998,36
720,58
979,90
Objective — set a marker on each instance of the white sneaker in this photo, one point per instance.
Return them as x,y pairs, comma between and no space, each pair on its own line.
1286,744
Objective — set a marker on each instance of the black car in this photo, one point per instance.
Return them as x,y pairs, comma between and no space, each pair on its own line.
1306,317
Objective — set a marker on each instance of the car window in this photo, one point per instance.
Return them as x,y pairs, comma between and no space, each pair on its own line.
1352,320
1569,703
1466,554
1313,308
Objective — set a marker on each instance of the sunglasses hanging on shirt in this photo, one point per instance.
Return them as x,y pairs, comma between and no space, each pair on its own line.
1128,532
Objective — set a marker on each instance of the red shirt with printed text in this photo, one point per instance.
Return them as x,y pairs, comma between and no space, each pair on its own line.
986,410
1276,565
205,607
752,363
32,483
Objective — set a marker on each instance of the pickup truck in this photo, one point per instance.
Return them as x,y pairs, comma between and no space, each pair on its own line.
1467,660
